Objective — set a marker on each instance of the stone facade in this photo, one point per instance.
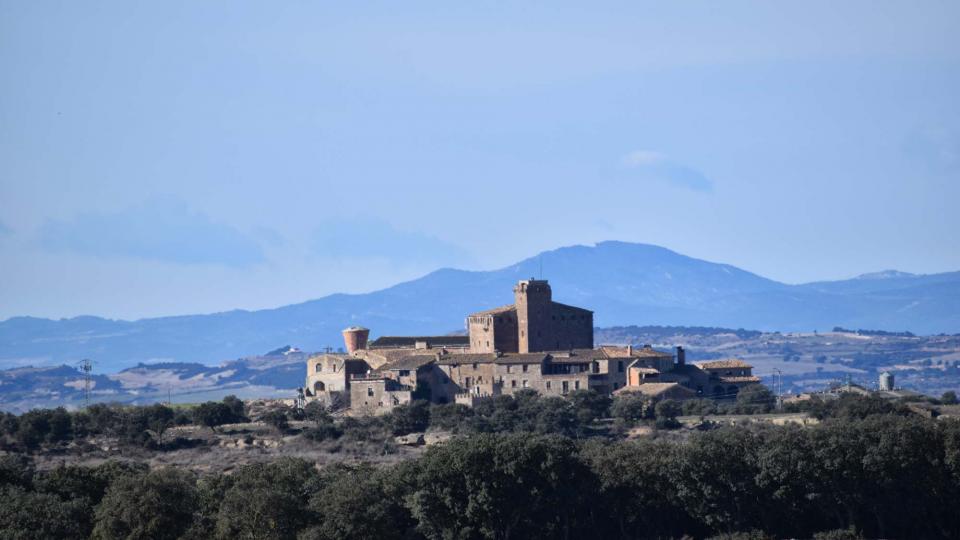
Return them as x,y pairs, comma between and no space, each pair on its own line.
329,377
377,395
533,323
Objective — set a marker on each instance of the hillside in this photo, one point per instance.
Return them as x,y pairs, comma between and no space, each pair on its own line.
623,283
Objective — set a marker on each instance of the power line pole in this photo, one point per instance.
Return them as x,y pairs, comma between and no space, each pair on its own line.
778,387
86,366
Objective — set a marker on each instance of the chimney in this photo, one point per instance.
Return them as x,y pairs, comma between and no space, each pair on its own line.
629,350
681,356
355,338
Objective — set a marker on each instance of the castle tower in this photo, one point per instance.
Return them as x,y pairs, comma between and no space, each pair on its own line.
533,299
355,338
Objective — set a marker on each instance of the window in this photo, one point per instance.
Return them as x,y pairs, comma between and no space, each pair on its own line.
513,383
467,381
526,383
488,343
404,372
576,385
370,391
525,368
379,404
548,385
565,387
319,367
474,367
620,366
508,368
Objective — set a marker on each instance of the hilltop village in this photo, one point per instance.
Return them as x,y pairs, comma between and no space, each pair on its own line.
534,343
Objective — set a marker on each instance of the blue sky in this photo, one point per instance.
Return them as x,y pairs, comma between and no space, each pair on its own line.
181,157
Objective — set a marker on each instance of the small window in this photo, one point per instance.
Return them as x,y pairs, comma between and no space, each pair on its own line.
474,366
620,366
508,368
576,385
404,372
548,385
526,383
525,368
488,343
379,404
513,383
319,367
370,391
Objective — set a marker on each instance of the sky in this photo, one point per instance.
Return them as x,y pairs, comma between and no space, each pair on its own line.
182,157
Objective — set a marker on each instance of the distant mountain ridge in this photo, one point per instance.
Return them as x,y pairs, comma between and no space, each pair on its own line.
624,283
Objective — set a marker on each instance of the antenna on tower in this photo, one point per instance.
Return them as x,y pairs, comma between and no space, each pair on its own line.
86,366
540,258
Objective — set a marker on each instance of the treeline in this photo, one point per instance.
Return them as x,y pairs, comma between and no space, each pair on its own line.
886,476
670,331
135,425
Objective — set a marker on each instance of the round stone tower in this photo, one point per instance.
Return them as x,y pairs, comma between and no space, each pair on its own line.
355,338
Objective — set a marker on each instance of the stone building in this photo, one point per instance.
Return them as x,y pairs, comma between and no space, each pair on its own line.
534,343
533,323
376,394
329,377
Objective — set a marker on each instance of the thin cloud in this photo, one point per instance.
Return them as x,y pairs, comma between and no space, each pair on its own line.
361,238
655,165
159,229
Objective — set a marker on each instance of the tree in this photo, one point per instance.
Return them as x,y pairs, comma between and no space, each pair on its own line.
318,413
29,515
949,398
754,399
631,406
277,418
450,416
212,414
159,504
410,418
237,409
353,503
267,500
666,412
501,486
590,405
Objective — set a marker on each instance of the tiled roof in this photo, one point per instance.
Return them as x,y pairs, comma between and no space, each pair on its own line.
517,358
645,370
383,342
573,308
734,379
653,389
412,361
466,358
613,351
723,364
496,311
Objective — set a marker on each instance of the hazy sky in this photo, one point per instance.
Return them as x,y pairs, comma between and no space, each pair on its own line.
178,157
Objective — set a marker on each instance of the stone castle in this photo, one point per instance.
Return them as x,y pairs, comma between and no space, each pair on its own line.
534,343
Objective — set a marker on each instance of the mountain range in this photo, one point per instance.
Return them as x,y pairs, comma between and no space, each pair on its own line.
624,283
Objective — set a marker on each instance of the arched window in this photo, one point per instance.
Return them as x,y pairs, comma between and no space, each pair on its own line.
318,386
319,367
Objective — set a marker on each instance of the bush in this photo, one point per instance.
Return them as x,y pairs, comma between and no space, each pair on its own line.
411,418
631,407
323,432
159,504
276,418
449,416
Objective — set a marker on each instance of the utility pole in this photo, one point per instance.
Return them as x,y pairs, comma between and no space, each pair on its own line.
778,387
86,366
